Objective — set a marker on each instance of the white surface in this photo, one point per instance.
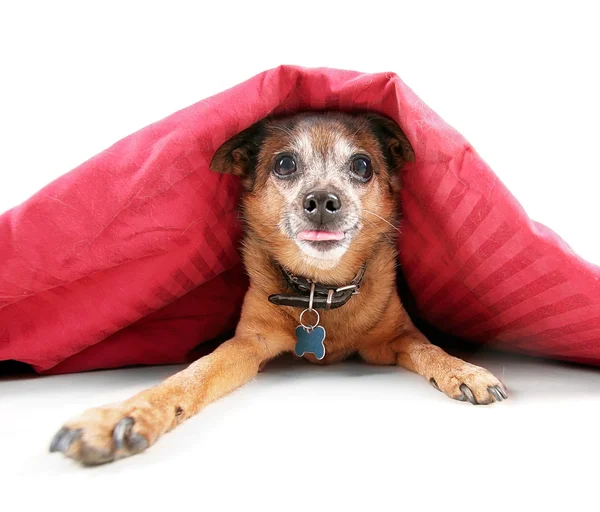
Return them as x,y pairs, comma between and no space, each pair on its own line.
519,79
344,437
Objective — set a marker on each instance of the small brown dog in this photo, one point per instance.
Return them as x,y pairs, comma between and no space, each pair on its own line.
320,211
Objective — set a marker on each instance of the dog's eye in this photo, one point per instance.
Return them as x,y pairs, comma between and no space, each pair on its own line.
361,168
285,166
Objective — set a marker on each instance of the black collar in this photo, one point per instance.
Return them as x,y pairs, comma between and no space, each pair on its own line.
324,296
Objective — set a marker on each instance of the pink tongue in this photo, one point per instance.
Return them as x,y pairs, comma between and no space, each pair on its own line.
319,236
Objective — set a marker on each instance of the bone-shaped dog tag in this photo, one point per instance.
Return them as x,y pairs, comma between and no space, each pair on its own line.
310,341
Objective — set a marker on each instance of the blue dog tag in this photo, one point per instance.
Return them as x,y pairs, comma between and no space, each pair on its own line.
310,341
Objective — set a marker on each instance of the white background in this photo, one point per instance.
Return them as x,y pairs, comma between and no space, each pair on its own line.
519,79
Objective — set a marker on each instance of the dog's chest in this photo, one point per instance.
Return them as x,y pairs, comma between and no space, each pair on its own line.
333,339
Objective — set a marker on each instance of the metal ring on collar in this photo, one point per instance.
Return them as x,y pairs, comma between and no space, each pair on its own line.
310,327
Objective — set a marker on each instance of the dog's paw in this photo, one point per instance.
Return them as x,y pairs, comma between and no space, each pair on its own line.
108,433
468,383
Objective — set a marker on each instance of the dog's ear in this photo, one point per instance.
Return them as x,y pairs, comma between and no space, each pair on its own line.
239,154
395,144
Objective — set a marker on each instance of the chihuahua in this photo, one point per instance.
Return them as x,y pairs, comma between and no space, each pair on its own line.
319,202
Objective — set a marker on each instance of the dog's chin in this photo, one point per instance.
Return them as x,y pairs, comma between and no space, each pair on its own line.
324,254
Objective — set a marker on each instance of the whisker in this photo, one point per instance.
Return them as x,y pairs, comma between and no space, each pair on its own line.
374,226
380,217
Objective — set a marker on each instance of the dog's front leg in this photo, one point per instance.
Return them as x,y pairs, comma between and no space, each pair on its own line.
114,431
456,378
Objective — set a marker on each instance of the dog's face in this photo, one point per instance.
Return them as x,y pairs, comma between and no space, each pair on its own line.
318,185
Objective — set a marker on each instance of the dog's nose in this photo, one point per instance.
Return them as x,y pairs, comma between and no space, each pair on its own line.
321,206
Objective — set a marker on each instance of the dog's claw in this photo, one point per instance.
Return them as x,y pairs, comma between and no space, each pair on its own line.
502,392
434,384
468,394
125,438
63,439
56,439
495,393
121,432
498,393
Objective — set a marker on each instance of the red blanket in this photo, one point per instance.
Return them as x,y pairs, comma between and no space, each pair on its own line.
131,258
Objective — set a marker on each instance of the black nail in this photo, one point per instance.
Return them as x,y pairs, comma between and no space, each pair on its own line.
121,432
495,393
434,383
468,393
63,439
502,392
56,439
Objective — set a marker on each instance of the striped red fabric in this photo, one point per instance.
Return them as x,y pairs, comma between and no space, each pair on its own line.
131,258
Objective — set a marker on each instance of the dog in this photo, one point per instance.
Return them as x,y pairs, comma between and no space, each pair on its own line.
320,207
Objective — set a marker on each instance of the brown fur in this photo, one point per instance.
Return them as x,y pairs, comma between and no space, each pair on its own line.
372,324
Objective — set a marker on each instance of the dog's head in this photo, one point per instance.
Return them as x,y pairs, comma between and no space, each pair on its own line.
318,186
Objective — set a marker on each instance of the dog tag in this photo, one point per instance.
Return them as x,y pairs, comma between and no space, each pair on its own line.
310,340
